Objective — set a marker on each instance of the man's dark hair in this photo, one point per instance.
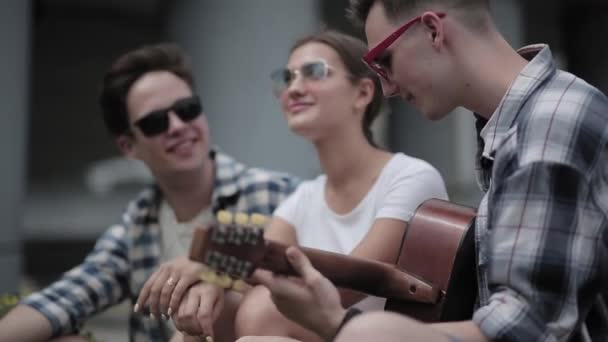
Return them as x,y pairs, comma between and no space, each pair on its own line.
127,69
351,51
473,12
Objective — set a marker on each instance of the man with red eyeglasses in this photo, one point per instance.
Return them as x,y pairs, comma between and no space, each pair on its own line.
542,226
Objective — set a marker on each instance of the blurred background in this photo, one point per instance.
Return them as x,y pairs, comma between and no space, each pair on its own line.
62,179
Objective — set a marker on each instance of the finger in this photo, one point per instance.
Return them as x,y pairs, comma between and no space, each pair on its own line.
280,287
189,277
192,319
177,315
145,291
263,277
166,293
154,295
219,306
177,295
301,264
187,315
205,313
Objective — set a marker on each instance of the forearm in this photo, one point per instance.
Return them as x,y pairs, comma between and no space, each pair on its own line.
25,324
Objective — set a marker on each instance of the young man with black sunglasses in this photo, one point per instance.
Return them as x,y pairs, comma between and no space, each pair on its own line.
542,226
150,107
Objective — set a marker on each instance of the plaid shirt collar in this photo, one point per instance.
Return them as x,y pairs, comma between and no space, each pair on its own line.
226,187
540,68
226,193
227,171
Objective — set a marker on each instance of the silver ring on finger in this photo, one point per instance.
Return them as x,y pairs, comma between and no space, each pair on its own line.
170,281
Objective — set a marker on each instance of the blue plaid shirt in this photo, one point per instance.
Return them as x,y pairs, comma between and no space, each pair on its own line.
129,252
542,226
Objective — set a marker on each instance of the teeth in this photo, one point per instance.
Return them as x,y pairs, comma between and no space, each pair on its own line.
183,144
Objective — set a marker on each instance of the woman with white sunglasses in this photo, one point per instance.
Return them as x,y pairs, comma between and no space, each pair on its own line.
361,204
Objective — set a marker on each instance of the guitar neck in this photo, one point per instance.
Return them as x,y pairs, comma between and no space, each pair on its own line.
359,274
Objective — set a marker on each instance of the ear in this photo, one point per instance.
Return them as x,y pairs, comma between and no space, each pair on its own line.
434,29
125,145
365,94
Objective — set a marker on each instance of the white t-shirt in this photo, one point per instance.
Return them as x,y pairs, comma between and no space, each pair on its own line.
404,183
176,237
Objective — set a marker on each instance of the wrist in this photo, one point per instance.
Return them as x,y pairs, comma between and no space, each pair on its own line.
337,321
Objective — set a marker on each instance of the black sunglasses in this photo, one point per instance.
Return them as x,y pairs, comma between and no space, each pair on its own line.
157,122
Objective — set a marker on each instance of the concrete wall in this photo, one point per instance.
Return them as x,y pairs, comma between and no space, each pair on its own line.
14,113
235,45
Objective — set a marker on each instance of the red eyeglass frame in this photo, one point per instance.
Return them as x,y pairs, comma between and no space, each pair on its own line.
370,57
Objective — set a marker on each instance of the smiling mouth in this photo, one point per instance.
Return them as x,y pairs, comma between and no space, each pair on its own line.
185,143
299,107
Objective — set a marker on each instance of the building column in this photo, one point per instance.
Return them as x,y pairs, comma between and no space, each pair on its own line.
15,21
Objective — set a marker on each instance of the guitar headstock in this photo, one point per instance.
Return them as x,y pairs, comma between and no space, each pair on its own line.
232,247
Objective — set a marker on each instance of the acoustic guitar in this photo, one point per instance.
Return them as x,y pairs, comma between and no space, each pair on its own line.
433,280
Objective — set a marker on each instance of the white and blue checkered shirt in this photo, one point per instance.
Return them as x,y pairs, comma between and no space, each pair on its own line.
542,226
129,252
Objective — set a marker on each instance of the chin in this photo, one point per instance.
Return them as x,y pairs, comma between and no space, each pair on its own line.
194,162
187,166
435,114
300,128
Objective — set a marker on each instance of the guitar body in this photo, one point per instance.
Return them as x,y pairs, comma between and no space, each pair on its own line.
439,248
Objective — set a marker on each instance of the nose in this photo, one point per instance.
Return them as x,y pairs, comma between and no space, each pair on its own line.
296,86
175,123
389,88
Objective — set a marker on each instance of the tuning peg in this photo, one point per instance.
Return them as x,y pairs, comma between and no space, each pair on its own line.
224,217
258,220
239,285
224,281
241,219
209,276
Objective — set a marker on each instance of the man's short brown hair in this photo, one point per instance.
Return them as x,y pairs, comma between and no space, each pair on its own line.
473,12
127,69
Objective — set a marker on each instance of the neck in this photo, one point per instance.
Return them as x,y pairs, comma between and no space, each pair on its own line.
347,156
490,66
189,192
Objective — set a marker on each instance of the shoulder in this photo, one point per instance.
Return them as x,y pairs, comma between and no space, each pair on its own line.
252,179
310,187
404,166
259,179
259,189
412,178
563,122
142,205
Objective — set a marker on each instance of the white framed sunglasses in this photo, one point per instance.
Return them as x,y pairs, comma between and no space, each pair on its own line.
311,71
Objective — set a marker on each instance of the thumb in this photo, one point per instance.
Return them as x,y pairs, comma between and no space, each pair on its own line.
262,277
301,263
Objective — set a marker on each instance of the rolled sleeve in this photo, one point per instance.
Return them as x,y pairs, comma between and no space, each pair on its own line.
100,281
